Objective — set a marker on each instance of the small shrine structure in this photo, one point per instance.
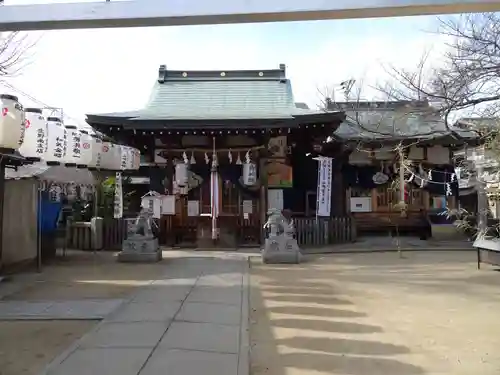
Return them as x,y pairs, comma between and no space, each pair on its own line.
396,153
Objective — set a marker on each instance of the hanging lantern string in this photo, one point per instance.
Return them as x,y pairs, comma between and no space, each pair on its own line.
386,150
436,171
218,150
413,175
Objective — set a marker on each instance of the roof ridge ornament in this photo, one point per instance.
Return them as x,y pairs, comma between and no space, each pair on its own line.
162,74
283,72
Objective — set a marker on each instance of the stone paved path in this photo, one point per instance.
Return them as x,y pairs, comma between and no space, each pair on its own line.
193,320
58,310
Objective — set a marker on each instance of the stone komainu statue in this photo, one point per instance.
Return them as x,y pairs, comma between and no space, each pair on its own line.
280,245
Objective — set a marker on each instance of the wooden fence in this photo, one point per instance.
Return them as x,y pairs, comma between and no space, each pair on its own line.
312,232
80,235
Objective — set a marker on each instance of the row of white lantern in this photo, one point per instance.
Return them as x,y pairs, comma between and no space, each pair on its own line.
38,138
249,175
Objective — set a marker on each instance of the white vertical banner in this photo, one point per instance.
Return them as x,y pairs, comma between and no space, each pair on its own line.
118,202
324,189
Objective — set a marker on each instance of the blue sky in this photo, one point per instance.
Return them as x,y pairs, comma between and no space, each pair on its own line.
89,71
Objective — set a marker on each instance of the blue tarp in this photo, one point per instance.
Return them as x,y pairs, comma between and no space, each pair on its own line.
48,214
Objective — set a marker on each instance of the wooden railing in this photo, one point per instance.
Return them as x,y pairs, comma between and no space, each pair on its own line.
312,232
81,236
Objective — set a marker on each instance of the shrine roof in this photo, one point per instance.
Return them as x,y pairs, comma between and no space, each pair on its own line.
395,121
184,99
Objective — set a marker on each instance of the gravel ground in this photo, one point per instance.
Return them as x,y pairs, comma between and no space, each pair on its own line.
429,313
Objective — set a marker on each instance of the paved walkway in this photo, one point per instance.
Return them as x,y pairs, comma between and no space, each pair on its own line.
192,320
83,309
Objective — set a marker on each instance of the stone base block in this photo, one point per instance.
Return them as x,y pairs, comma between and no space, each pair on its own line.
140,245
139,257
281,251
140,249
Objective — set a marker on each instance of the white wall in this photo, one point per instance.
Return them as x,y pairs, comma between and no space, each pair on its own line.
19,221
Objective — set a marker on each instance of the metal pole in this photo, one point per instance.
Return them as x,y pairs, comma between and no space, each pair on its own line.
39,226
2,197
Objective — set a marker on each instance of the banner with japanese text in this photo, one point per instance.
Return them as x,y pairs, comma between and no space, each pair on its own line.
118,202
324,189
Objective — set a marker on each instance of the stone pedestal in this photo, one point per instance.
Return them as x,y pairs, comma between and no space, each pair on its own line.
140,249
281,250
280,246
140,245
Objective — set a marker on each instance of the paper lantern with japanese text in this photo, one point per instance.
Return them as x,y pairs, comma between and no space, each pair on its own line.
96,146
106,156
87,149
12,126
34,145
249,174
124,157
130,158
136,159
181,174
56,141
115,157
74,146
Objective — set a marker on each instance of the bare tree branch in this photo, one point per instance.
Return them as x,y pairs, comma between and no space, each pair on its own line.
467,80
15,53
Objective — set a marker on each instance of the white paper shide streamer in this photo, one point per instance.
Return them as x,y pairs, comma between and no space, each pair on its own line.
118,202
324,192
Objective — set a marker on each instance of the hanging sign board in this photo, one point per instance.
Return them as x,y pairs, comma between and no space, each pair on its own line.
148,202
193,208
118,203
168,205
157,207
324,189
247,207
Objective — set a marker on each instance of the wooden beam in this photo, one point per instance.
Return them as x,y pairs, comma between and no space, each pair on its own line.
143,13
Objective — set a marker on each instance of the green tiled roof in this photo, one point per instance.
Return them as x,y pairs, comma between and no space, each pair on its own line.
185,100
220,99
192,95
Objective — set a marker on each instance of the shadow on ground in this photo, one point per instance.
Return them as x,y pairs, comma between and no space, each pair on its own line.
299,327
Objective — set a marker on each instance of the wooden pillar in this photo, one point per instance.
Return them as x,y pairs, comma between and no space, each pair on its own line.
167,224
264,187
338,197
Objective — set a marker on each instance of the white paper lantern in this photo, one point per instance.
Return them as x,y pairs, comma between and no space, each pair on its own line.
136,160
96,147
124,157
73,156
116,161
11,122
249,174
87,149
56,142
130,158
106,156
34,145
181,174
